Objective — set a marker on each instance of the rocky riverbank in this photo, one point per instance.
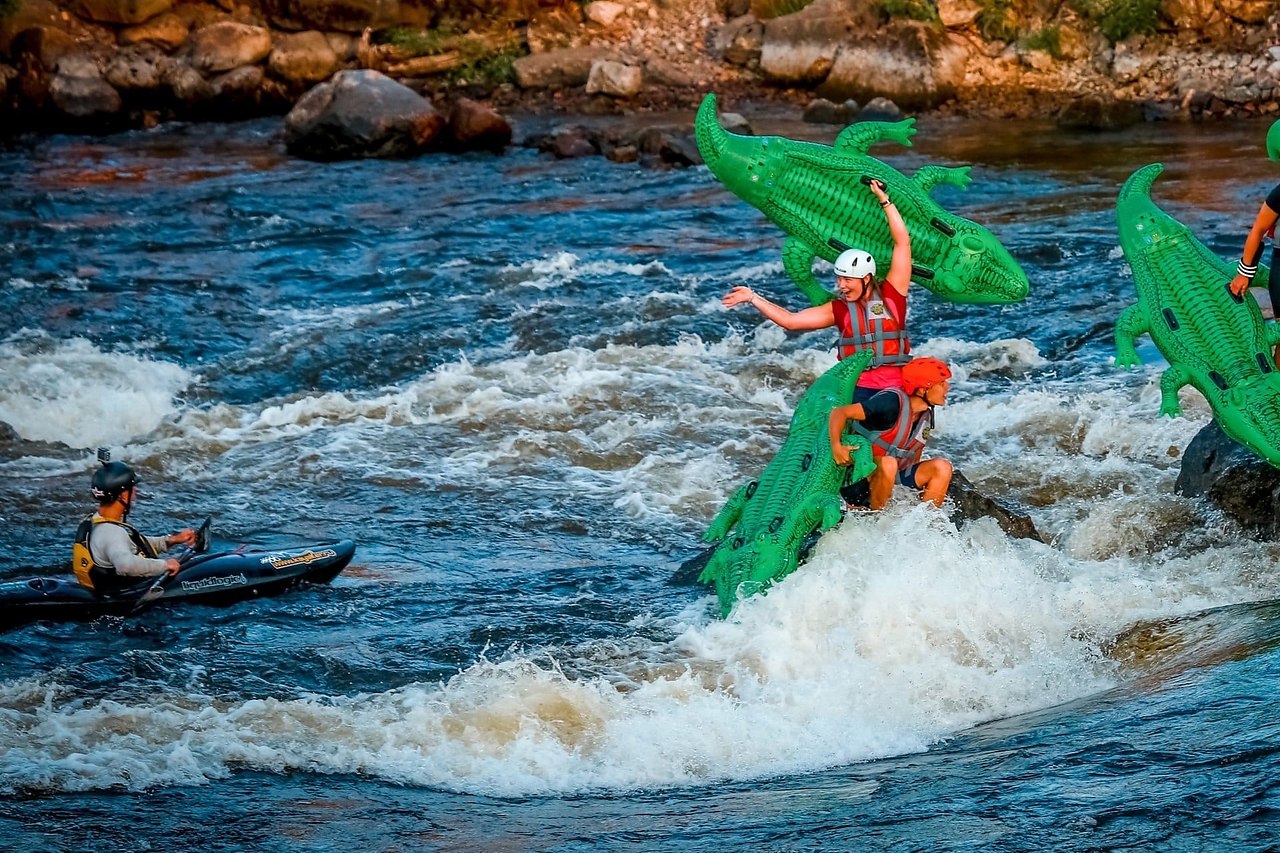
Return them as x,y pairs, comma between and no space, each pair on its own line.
91,65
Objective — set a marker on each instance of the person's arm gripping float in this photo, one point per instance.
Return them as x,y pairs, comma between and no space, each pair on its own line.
1263,224
899,276
836,421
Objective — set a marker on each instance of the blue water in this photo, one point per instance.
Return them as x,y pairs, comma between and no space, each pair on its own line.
510,380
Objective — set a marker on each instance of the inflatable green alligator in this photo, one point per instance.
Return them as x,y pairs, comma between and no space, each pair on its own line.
799,492
1211,339
815,194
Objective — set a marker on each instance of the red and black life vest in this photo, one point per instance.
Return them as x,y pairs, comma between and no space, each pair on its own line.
879,331
94,575
904,440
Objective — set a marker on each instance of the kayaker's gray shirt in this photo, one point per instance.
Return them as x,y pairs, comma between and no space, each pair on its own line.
110,546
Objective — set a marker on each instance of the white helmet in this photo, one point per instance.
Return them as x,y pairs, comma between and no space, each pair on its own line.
855,263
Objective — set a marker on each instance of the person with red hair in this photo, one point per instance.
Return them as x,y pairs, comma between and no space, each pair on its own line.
897,422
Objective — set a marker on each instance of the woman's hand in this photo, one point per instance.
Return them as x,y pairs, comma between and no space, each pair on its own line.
738,296
877,187
841,454
1239,285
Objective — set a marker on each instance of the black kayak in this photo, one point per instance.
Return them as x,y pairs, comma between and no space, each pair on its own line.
218,578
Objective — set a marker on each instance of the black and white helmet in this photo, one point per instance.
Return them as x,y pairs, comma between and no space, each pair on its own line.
112,480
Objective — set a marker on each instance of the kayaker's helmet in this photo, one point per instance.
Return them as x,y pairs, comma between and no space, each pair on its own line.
923,373
112,480
855,263
1273,141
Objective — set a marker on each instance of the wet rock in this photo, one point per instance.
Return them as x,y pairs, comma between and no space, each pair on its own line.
659,72
122,11
670,147
84,97
971,504
43,46
880,109
141,66
822,111
474,126
615,79
800,49
302,57
569,141
360,114
167,31
227,45
623,154
343,45
188,85
558,69
1232,478
239,84
736,123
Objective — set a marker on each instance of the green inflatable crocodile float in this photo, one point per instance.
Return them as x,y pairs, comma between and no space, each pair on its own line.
1212,340
799,492
814,193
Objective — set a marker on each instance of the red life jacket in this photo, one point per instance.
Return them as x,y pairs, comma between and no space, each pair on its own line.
883,334
904,440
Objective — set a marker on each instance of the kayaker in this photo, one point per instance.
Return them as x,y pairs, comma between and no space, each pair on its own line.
869,313
897,420
109,553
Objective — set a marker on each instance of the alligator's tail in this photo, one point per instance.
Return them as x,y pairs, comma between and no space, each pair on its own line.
713,140
1140,182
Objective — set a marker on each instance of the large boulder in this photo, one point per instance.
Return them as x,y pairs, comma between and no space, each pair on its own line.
121,11
1248,11
1232,478
614,78
227,45
28,14
800,49
361,114
303,57
911,63
83,96
558,69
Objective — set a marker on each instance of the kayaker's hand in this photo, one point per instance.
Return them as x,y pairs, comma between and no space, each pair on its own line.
1239,285
182,537
171,567
841,454
738,296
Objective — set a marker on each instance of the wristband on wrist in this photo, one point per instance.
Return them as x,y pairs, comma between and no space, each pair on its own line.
886,202
1247,270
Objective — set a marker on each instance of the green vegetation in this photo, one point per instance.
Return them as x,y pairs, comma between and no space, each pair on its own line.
997,20
915,10
1119,19
490,68
8,7
414,42
1049,40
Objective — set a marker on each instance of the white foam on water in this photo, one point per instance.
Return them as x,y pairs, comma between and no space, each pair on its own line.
899,632
73,393
545,273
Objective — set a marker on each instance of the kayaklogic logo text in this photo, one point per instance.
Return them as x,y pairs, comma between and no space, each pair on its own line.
283,561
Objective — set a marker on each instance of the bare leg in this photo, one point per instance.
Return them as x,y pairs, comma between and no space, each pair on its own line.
881,481
933,476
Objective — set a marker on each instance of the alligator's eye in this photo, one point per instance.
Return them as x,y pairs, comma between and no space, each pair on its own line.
972,243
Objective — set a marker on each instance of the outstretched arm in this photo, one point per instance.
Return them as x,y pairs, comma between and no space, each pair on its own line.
817,317
899,276
1262,223
839,416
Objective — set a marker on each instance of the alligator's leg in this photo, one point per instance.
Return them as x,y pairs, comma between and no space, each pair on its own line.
1271,333
928,177
729,515
857,138
1132,323
1173,379
862,460
797,260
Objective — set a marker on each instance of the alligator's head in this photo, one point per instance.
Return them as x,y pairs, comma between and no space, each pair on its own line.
751,567
747,165
1250,414
972,266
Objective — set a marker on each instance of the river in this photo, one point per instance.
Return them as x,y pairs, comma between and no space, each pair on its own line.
511,381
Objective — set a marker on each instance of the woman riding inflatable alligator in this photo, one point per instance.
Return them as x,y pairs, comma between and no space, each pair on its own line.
870,314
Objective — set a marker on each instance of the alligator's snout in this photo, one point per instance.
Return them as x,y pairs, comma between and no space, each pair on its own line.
975,267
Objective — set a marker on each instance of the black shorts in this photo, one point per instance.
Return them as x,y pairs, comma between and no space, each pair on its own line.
859,493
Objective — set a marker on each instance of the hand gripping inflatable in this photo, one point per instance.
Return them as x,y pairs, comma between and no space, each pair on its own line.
815,194
798,493
1211,339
